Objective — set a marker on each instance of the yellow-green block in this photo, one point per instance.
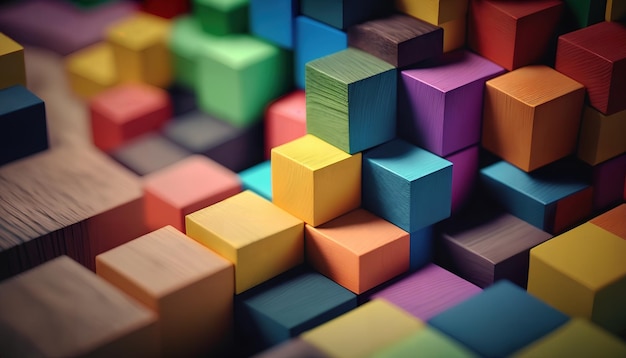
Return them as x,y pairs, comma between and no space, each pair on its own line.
427,342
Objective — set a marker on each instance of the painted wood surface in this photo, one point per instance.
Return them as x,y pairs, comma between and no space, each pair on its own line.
273,20
221,18
608,183
343,14
435,12
11,62
285,120
613,220
427,341
464,176
148,153
91,70
601,136
258,178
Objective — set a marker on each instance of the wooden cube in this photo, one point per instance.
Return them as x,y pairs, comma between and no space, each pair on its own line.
149,153
260,239
342,14
426,342
189,288
364,330
601,136
166,8
531,116
91,70
61,309
398,39
464,176
513,34
435,12
140,49
608,183
509,319
604,46
427,292
406,185
23,125
440,105
258,179
314,180
612,221
582,273
273,20
12,66
421,248
127,111
579,14
358,250
184,187
615,10
185,41
222,17
285,120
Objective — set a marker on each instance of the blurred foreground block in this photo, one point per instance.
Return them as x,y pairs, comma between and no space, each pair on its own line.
12,68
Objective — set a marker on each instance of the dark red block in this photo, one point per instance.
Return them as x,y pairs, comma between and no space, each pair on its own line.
166,8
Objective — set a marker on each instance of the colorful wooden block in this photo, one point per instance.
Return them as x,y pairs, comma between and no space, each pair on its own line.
149,153
61,309
398,39
601,136
596,57
464,176
513,34
499,321
314,180
13,68
140,49
227,67
485,244
127,111
233,147
406,185
185,187
427,292
364,330
454,34
222,17
185,40
441,105
582,273
258,179
358,250
361,113
295,347
273,20
421,248
531,116
615,10
342,14
166,8
313,40
285,120
608,183
435,12
187,286
427,342
91,70
23,125
264,242
289,305
612,221
579,14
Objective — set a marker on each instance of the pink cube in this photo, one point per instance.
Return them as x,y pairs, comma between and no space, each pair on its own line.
285,120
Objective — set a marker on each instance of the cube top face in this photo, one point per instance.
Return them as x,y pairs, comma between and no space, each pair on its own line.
238,51
162,261
17,97
349,66
199,131
258,219
186,34
521,9
293,106
546,84
8,45
139,31
126,102
613,220
507,317
96,60
398,27
607,40
311,152
222,5
427,342
587,253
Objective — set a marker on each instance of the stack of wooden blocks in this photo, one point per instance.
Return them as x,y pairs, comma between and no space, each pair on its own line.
338,178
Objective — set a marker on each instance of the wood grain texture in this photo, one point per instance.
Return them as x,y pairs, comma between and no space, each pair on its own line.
608,183
61,309
435,12
601,136
258,179
285,120
11,62
91,70
613,221
148,153
351,100
596,57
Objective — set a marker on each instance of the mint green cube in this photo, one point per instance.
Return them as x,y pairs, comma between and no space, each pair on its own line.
186,38
222,17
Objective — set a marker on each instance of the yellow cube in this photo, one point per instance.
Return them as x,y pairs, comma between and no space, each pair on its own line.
314,180
91,70
435,12
12,68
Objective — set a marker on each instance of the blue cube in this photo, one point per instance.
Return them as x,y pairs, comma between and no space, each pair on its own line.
273,20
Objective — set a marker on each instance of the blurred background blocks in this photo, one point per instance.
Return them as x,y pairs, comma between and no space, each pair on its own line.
285,120
342,14
184,42
91,70
148,153
601,136
11,63
221,17
166,8
295,347
608,183
273,20
428,342
579,14
258,178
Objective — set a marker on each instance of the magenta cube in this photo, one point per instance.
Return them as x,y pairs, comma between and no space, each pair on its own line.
440,105
608,183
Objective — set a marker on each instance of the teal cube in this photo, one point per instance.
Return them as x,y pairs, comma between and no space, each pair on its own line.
222,17
258,178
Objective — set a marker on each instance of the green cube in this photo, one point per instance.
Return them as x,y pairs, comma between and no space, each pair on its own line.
222,17
185,41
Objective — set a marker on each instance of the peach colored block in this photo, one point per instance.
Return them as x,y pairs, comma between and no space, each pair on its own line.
126,111
358,250
613,221
184,187
285,120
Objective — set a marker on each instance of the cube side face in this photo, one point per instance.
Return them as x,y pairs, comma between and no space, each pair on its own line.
491,33
431,198
422,47
535,33
462,121
384,263
434,12
293,187
226,100
158,212
601,136
157,72
330,12
608,307
222,18
12,63
336,189
572,210
454,255
273,20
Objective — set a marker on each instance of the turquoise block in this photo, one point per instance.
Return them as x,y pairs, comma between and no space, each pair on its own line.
258,178
342,14
273,20
499,321
421,249
406,185
314,40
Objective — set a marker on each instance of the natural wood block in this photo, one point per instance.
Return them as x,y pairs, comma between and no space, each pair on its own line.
220,18
406,185
608,183
578,337
427,292
364,330
342,14
426,342
351,100
285,120
91,70
582,273
127,111
295,347
166,8
273,20
189,288
12,65
440,105
454,34
227,67
140,49
149,153
175,191
23,125
464,176
513,34
358,250
554,198
185,40
612,221
596,57
398,39
615,10
60,309
601,136
579,14
435,12
314,180
484,244
261,227
258,179
236,148
531,116
314,40
499,321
